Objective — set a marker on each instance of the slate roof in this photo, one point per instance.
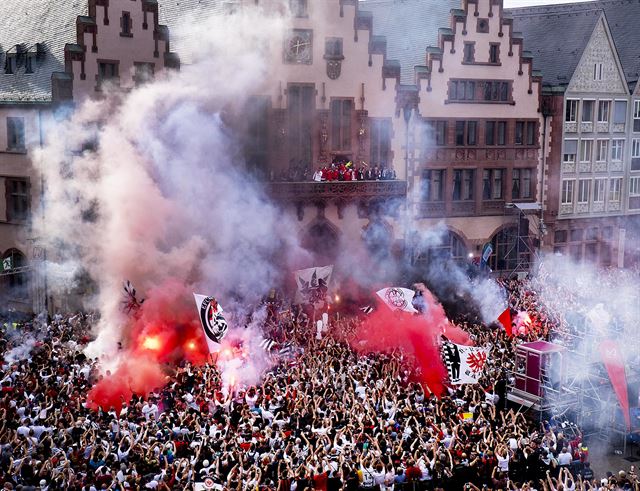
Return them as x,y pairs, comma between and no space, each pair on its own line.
558,34
27,23
410,26
178,15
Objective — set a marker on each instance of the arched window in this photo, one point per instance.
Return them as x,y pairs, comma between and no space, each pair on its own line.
16,279
451,247
322,239
505,250
378,238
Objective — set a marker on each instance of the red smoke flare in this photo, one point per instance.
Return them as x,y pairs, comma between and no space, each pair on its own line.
418,335
166,330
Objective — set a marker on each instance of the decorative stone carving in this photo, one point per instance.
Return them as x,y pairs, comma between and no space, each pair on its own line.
334,68
568,167
614,206
571,127
602,127
323,155
584,167
597,207
600,167
582,208
615,166
566,209
598,50
618,127
586,127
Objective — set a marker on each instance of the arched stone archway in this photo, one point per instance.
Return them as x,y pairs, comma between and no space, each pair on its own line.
452,247
322,238
15,279
505,249
377,237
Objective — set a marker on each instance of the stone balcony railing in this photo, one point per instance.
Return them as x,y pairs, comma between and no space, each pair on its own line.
336,190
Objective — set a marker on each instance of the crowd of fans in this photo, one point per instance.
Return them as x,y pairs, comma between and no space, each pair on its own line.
339,170
326,418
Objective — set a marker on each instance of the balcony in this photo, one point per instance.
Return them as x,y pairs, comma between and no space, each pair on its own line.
336,190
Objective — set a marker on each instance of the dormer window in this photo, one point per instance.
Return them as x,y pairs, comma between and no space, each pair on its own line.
29,63
10,63
125,25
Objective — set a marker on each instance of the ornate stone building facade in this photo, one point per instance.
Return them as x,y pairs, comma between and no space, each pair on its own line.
592,193
54,54
477,134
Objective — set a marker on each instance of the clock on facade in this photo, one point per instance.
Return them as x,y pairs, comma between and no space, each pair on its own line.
298,46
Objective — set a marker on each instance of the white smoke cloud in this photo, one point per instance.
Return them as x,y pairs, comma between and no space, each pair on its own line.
162,195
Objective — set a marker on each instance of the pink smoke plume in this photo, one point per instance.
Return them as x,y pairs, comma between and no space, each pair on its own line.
418,335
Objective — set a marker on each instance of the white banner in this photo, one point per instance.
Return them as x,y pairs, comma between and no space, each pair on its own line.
465,364
313,285
398,298
213,322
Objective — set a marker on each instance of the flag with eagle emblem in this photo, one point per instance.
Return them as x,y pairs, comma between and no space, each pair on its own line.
313,285
213,322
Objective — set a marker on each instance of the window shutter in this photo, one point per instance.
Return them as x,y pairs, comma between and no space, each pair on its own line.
620,112
571,146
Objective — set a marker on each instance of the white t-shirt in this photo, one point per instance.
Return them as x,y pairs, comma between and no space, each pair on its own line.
503,463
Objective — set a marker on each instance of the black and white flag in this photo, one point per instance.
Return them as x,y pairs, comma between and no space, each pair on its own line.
313,285
213,322
465,364
398,298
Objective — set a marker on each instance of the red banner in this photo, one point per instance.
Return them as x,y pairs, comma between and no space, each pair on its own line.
505,320
614,363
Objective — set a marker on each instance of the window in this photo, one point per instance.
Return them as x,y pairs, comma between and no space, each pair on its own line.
432,185
10,62
597,71
144,72
463,180
531,133
576,235
603,111
617,150
341,113
466,133
125,24
635,154
29,62
519,133
586,150
298,8
620,112
505,250
462,90
492,184
571,115
300,114
494,52
615,186
469,52
570,151
634,186
380,142
567,192
256,143
333,48
560,236
521,184
15,134
496,91
636,116
17,193
599,190
502,133
490,133
107,71
460,125
587,111
471,132
441,133
584,186
602,150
